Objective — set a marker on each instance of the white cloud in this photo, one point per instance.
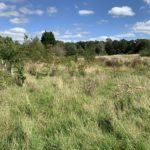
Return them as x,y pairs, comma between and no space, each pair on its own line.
8,10
114,37
68,35
16,34
86,12
12,1
27,11
125,35
103,38
75,33
78,34
142,7
147,1
19,20
52,10
3,6
12,13
121,11
56,33
102,21
142,27
76,6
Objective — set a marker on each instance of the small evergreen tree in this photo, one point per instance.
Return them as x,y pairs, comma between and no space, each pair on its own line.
48,38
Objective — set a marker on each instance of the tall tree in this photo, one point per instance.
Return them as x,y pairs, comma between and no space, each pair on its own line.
48,38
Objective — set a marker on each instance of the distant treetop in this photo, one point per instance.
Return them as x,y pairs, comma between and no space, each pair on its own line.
48,38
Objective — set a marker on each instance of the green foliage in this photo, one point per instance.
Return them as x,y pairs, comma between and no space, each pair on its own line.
58,50
10,53
32,70
48,38
145,52
71,66
144,47
43,72
89,55
5,80
19,75
34,50
7,49
81,69
142,44
70,49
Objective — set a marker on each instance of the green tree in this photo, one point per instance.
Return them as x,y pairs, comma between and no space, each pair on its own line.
48,38
70,49
35,50
108,47
9,53
143,47
100,48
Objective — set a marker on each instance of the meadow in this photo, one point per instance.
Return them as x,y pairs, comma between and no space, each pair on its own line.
78,105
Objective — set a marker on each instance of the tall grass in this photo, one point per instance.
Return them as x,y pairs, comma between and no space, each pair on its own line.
95,108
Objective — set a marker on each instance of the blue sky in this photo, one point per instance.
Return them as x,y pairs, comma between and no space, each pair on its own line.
75,20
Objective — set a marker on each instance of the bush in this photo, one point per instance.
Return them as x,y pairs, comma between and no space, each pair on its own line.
32,70
71,66
5,80
19,76
114,62
89,55
81,69
42,73
58,50
136,62
145,52
54,70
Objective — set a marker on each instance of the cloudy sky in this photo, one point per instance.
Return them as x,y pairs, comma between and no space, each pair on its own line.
75,20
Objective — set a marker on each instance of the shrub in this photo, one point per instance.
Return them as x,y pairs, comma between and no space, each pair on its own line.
54,70
89,55
58,50
71,66
145,52
136,62
43,72
81,69
114,62
19,76
5,80
32,70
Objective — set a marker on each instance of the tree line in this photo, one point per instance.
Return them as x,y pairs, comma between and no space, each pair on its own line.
14,54
40,49
90,48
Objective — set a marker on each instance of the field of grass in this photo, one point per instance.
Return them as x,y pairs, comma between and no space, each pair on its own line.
79,106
